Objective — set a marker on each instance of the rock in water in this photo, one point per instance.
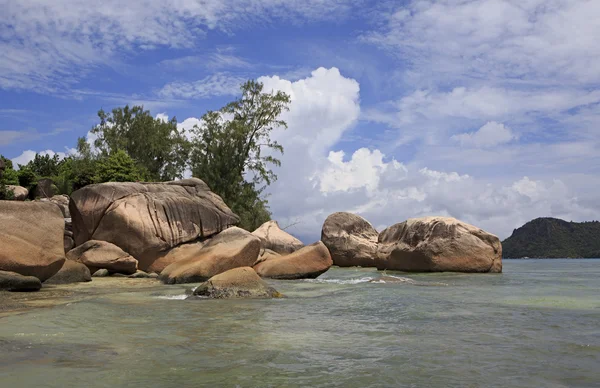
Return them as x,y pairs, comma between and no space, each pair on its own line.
12,281
351,240
20,193
236,283
103,255
438,244
230,249
31,238
71,272
277,240
148,219
306,263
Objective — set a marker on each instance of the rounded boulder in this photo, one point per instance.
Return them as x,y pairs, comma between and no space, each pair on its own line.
351,240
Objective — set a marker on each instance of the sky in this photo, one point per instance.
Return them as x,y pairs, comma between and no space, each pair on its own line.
483,110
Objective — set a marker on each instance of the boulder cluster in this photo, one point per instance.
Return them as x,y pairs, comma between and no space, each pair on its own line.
427,244
182,232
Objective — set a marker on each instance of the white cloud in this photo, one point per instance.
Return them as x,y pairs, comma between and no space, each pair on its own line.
218,84
42,41
533,40
489,135
29,155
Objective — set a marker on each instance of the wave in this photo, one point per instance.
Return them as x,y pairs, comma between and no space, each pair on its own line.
173,297
340,281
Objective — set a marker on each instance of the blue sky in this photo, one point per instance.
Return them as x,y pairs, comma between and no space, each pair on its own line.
485,110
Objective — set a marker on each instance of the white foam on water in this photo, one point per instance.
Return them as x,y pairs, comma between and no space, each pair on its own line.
173,297
400,280
340,281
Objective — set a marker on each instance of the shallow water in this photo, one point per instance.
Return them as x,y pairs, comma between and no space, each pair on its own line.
535,325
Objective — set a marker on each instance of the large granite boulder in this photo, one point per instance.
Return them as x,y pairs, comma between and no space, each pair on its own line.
351,240
230,249
31,238
148,219
71,272
12,281
20,193
97,255
438,244
306,263
236,283
277,240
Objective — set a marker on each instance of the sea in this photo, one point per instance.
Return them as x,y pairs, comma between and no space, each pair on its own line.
535,325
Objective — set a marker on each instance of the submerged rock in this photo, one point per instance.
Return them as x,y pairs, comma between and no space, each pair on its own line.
236,283
71,272
306,263
101,254
148,219
231,248
31,238
438,244
12,281
275,239
143,275
351,240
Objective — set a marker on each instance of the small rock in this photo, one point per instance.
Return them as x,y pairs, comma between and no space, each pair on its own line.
12,281
71,272
101,273
143,275
236,283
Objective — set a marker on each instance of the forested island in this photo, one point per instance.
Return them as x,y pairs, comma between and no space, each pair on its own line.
554,238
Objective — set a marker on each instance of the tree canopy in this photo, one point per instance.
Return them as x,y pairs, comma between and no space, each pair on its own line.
232,150
155,145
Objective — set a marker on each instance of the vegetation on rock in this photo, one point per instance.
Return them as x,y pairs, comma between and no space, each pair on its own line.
554,238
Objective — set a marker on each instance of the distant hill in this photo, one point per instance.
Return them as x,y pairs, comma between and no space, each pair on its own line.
554,238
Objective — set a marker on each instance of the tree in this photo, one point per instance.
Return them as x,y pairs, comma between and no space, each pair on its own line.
117,167
155,145
7,177
44,165
232,150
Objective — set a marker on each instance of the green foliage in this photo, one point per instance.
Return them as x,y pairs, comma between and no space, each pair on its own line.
26,176
117,167
155,145
226,153
44,165
553,238
7,177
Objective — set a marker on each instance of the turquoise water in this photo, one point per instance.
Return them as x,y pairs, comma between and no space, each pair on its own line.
535,325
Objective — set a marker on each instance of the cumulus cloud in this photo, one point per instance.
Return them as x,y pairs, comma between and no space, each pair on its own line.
29,155
489,135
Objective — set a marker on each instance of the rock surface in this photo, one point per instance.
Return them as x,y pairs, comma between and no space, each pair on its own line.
20,193
306,263
62,201
31,238
71,272
230,249
236,283
267,254
148,219
103,255
12,281
143,275
438,244
274,238
351,240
